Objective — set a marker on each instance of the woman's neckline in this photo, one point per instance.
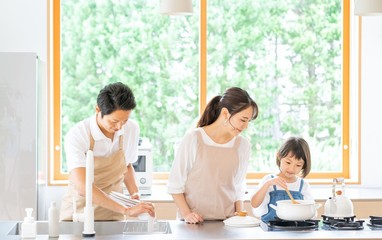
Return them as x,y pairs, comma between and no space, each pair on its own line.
218,140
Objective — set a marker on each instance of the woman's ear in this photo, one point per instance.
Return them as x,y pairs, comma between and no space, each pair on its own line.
97,109
225,113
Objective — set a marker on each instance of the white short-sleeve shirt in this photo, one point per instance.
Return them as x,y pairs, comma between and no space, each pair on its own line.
77,142
185,157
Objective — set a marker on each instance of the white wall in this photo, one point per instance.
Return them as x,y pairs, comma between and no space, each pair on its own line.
371,117
23,25
23,28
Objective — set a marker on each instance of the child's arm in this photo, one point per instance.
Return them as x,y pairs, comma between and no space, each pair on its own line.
259,196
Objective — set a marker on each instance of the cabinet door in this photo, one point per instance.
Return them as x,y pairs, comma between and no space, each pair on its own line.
18,134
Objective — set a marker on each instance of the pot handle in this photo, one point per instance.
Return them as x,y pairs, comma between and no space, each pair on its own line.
317,205
273,206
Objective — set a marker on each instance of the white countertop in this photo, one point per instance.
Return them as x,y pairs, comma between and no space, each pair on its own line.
217,230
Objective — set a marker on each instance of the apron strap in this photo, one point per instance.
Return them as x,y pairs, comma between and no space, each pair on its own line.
301,185
121,142
274,186
91,142
237,142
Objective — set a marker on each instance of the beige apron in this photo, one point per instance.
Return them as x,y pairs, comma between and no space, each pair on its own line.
108,176
210,188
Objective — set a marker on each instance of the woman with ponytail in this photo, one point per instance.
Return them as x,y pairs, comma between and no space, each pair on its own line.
207,179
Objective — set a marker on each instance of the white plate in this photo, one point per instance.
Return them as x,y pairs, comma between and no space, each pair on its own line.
243,225
123,199
239,221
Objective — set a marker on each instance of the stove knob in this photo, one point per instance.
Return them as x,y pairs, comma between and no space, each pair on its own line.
142,180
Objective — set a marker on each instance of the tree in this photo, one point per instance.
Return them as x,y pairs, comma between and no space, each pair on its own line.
285,53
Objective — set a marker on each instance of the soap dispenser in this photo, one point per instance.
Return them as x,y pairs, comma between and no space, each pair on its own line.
28,227
53,220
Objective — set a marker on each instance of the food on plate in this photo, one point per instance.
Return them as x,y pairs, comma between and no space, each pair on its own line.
242,213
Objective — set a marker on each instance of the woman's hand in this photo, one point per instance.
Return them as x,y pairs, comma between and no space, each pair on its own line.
277,181
142,207
193,218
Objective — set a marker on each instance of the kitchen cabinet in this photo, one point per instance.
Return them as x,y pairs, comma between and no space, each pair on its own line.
19,114
362,208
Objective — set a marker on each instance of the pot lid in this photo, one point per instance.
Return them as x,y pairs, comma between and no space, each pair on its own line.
242,221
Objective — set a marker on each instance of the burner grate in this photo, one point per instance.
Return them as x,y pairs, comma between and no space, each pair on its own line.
345,223
347,226
375,222
284,225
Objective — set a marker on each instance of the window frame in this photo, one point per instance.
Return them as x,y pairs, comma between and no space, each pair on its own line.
56,177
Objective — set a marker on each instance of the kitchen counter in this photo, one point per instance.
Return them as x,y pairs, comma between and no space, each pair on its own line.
217,230
366,201
320,193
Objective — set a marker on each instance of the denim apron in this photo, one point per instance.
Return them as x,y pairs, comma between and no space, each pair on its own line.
277,195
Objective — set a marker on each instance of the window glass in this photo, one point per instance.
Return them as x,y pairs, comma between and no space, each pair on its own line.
288,55
128,41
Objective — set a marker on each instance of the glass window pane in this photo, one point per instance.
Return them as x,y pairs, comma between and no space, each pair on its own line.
129,41
287,54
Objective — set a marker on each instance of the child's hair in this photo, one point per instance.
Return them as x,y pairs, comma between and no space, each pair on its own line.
300,150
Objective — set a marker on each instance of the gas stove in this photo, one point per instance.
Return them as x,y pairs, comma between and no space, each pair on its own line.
284,225
375,223
345,223
325,224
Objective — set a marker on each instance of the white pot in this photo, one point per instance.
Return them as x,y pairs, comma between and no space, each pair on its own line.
287,210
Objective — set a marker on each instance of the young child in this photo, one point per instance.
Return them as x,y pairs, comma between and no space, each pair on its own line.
293,160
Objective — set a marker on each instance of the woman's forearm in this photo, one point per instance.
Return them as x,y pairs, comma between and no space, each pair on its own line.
181,203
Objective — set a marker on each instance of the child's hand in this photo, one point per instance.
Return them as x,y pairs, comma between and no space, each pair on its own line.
277,181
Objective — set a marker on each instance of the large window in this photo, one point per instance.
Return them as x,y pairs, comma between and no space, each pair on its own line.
288,54
291,56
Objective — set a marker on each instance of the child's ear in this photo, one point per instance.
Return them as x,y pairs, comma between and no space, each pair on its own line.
278,155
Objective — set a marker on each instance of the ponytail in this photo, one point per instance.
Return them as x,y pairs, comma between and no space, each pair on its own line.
211,113
234,99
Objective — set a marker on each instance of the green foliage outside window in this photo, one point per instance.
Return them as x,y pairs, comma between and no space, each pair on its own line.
287,54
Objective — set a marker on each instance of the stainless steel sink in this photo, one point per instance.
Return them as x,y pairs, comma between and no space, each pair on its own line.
102,228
